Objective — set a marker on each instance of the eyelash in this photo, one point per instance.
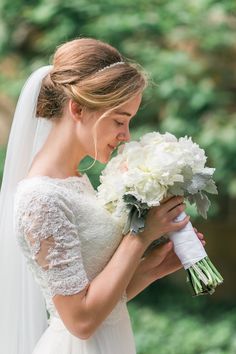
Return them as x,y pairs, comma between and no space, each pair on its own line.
119,123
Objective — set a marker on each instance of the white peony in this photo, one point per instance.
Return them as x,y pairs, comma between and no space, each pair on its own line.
157,138
147,168
192,154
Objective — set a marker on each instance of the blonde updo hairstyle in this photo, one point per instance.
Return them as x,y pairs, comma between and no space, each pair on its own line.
76,75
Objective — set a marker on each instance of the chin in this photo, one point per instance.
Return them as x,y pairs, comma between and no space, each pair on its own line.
103,159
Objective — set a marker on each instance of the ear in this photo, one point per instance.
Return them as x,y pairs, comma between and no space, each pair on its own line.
75,110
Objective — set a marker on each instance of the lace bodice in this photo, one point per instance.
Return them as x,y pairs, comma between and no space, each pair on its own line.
66,236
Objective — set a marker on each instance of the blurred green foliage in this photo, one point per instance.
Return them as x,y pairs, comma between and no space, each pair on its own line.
187,46
166,320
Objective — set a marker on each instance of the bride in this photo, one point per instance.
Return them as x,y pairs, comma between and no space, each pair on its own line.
66,271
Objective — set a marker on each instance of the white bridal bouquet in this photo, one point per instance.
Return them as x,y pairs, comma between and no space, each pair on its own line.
145,172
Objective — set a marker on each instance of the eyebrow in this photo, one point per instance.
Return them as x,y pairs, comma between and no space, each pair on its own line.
123,113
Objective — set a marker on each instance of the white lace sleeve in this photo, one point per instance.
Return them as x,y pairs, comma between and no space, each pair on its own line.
47,225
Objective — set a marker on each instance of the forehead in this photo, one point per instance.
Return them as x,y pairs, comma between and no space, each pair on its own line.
130,108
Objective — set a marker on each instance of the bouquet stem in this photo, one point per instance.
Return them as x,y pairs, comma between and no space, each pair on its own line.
203,277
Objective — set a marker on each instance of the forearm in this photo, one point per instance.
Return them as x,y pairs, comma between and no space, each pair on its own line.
138,283
108,287
142,277
158,263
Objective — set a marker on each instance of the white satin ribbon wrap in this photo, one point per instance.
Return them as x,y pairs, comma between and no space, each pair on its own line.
187,245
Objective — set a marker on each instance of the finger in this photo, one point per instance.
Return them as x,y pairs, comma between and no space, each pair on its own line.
176,211
156,256
166,247
161,251
200,236
198,233
170,264
172,258
164,200
171,203
180,224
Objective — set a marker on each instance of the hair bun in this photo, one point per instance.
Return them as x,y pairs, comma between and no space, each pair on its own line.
87,71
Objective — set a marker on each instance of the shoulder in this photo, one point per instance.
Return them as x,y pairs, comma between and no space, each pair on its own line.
35,188
41,195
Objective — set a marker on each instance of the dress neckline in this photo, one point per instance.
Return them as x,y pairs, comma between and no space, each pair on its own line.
57,179
76,181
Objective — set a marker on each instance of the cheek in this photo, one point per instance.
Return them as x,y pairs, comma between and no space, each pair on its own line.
105,135
107,128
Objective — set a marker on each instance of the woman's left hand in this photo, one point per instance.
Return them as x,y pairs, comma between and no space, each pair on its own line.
158,267
158,263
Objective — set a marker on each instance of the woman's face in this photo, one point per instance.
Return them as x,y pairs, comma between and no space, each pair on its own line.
109,131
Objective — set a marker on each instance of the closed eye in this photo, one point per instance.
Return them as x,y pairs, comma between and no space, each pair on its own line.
119,123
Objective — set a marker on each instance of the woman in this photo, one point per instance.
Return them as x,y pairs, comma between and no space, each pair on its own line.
85,268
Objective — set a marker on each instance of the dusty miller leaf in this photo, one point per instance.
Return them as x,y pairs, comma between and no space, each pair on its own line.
137,214
211,187
198,183
176,189
131,201
202,203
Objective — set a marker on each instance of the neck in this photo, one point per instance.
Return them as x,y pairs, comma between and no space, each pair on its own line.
61,153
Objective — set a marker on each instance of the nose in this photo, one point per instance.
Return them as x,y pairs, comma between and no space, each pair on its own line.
124,136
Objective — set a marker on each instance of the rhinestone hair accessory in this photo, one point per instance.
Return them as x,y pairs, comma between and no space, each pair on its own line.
111,65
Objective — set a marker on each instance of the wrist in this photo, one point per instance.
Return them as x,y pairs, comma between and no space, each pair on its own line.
148,237
137,240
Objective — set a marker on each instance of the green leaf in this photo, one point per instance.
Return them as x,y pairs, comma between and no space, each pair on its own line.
198,183
176,189
211,187
202,203
137,214
137,222
187,172
131,201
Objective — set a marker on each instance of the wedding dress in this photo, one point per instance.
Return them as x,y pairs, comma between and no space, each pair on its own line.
67,238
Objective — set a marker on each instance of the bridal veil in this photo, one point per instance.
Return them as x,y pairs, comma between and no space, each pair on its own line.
23,316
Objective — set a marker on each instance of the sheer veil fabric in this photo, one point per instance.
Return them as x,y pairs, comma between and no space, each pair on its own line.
23,316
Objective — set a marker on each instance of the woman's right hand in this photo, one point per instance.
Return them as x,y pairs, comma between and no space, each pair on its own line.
160,219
